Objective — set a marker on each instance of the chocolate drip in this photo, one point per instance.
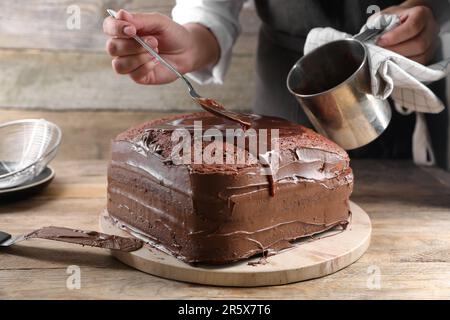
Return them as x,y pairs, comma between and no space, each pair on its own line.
86,238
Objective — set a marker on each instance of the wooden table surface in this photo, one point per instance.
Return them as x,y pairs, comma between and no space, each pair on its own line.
409,253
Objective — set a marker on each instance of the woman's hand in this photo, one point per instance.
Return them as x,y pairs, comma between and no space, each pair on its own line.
417,36
179,45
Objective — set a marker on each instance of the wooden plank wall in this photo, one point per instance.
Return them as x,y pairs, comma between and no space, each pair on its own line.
44,64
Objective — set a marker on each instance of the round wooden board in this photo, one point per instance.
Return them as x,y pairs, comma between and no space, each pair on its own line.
307,260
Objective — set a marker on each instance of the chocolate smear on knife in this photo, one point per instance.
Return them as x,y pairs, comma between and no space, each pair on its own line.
86,238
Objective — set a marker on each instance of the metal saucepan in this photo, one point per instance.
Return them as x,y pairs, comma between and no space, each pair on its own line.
332,84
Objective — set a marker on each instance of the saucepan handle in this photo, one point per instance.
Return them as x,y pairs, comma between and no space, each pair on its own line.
367,34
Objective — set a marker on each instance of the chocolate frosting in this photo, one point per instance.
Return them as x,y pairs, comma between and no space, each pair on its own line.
155,136
220,213
86,238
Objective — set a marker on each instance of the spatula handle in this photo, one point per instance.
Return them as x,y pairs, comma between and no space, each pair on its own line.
4,236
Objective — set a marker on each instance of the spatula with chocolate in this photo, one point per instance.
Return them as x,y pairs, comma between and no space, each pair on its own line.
84,238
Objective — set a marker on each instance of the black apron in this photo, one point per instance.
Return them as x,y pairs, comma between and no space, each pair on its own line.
285,25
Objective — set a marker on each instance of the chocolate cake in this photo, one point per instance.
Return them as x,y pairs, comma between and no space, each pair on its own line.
219,213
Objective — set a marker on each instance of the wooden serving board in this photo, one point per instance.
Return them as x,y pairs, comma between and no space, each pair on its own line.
332,251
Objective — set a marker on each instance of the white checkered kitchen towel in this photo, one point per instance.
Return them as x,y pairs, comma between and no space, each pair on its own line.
398,77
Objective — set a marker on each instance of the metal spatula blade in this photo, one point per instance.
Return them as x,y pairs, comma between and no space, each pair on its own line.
132,244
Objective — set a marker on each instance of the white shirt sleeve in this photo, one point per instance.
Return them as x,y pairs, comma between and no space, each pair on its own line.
222,18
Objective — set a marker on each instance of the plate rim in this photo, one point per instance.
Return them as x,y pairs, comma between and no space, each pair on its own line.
31,185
